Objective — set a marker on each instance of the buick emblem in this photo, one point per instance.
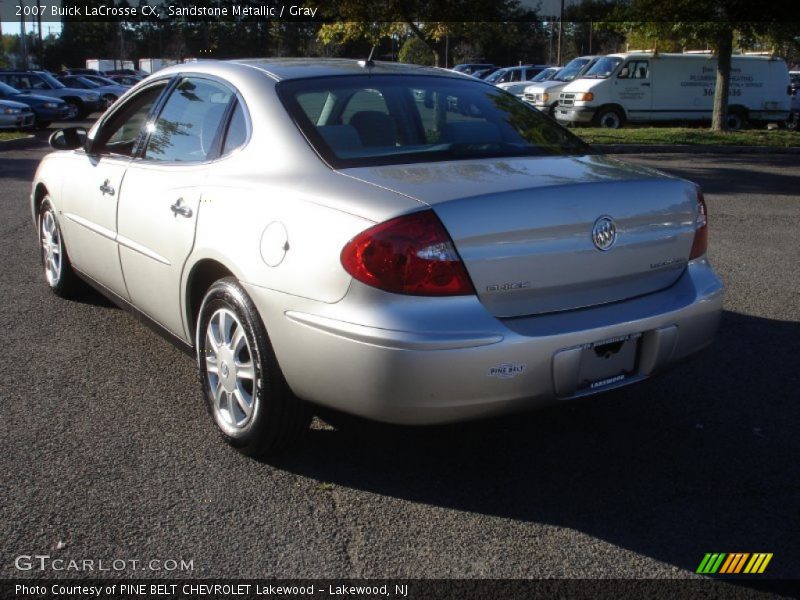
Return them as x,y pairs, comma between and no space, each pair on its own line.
604,233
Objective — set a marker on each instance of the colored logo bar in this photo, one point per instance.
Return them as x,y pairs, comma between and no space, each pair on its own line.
734,563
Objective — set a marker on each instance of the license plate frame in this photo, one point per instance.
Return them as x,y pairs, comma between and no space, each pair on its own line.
609,362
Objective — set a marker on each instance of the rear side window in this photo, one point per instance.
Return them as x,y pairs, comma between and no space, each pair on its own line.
188,126
236,135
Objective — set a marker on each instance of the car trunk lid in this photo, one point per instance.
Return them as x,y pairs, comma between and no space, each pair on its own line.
524,227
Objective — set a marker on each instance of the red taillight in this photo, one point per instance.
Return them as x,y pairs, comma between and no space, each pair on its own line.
412,254
700,244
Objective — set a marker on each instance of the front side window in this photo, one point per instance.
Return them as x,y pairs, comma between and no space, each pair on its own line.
187,128
635,69
384,119
120,133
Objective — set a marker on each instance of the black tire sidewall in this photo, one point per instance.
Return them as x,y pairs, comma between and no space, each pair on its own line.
609,111
227,293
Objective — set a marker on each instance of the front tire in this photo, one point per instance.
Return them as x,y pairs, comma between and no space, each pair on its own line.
57,267
609,118
76,110
245,391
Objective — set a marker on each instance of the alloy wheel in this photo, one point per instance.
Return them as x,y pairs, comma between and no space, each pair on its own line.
52,250
230,369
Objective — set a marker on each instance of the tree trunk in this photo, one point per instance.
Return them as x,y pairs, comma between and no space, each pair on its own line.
719,117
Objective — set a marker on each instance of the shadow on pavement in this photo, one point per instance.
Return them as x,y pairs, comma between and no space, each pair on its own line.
701,459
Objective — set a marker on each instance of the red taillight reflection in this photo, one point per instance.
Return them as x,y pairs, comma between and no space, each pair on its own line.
412,254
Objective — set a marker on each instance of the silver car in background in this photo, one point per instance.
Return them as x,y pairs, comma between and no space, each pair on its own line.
407,244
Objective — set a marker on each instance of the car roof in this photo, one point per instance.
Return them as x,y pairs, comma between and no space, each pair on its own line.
283,69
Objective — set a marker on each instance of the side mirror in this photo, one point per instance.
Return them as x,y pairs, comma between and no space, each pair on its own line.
70,138
623,73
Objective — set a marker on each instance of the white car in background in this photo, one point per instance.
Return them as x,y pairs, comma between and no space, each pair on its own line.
515,79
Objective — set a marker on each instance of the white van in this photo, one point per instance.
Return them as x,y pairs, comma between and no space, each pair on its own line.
645,87
544,95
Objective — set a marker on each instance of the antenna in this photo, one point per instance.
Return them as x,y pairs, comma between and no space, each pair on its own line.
369,62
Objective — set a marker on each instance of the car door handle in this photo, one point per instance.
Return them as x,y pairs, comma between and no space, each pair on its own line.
646,84
106,188
179,209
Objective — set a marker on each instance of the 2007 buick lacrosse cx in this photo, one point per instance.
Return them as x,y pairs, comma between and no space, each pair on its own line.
407,244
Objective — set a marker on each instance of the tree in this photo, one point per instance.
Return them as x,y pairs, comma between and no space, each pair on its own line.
714,22
415,51
436,24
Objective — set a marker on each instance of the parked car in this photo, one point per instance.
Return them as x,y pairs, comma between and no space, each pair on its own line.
15,115
109,91
318,232
106,81
470,68
130,72
484,73
515,79
82,102
126,80
644,87
45,109
544,95
80,72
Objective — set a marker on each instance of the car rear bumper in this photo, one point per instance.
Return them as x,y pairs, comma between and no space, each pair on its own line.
415,360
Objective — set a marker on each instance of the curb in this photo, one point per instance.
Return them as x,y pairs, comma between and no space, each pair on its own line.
692,149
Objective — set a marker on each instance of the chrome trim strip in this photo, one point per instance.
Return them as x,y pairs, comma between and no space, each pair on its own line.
144,250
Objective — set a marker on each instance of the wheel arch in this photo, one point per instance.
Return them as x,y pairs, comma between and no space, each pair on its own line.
613,105
39,192
201,276
74,99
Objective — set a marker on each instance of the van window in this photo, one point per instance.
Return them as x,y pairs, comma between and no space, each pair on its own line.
603,68
635,69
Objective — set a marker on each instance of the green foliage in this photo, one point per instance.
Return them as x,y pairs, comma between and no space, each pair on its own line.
417,52
688,136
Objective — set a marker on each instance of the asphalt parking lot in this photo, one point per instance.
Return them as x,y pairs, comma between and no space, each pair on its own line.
108,452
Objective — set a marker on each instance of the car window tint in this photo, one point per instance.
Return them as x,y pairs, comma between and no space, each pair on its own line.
187,127
313,105
362,101
237,130
394,120
119,134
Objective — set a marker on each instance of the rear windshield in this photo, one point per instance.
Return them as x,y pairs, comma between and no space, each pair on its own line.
363,120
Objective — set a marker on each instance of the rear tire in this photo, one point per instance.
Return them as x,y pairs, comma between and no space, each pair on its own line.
57,267
246,394
735,121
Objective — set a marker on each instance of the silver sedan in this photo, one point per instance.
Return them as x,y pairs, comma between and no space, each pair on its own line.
406,244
